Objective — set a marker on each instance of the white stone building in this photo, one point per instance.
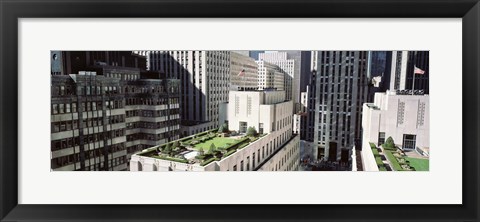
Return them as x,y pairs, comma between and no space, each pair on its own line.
205,78
287,66
270,76
398,76
238,63
277,148
405,118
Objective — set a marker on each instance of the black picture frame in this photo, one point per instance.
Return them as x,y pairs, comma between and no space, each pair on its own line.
11,11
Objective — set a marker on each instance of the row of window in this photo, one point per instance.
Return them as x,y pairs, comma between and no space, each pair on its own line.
62,108
152,113
90,122
153,125
270,149
285,159
90,138
90,158
245,165
153,89
151,101
148,136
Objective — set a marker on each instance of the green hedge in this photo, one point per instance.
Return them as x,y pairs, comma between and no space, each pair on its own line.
200,157
208,161
229,153
237,144
171,159
390,148
379,161
241,146
375,152
396,166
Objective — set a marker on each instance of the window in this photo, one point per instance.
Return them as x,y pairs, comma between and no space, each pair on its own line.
258,156
235,168
74,107
260,128
243,127
241,165
409,141
401,113
55,109
248,163
67,107
62,108
381,138
253,161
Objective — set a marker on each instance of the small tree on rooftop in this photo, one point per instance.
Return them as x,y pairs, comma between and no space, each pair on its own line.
389,144
212,149
175,144
223,128
168,149
251,131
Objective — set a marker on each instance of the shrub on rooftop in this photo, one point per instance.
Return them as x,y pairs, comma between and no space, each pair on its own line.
251,131
389,144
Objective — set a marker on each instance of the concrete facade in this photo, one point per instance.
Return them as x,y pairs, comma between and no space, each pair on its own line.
239,62
270,76
337,90
99,118
400,67
402,117
287,65
204,77
267,111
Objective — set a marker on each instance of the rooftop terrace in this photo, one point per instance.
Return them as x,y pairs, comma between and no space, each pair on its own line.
202,148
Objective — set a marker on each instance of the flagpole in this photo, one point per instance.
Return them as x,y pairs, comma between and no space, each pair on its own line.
414,66
413,84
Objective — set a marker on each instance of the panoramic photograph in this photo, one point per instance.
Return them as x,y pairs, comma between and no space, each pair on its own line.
239,110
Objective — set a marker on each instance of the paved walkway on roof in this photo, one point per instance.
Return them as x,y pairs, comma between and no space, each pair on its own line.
414,154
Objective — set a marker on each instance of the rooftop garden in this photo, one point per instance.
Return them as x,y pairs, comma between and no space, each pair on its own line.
419,164
398,160
203,148
378,158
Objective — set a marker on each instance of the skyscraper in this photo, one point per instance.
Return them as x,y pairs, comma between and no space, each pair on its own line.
205,78
107,110
270,76
400,66
338,88
243,72
287,65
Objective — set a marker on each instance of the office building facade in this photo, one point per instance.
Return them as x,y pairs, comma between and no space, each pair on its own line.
243,72
204,77
337,90
400,66
102,115
270,76
287,65
396,114
276,149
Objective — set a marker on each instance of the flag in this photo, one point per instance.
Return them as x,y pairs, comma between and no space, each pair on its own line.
242,73
418,71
